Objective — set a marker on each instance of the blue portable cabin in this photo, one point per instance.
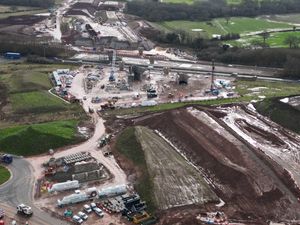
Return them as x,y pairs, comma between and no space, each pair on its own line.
12,55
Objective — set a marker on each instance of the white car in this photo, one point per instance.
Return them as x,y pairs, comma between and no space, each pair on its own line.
98,211
82,215
93,205
77,219
87,208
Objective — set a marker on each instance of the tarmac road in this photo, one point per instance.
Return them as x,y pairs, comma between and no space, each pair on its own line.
19,189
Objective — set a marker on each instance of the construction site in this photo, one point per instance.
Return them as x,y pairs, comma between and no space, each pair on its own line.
248,165
155,150
116,86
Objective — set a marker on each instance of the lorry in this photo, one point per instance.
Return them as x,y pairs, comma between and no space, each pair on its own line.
6,158
78,197
24,209
68,185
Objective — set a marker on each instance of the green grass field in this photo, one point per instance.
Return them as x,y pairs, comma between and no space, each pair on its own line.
239,25
28,99
4,175
275,40
38,138
37,102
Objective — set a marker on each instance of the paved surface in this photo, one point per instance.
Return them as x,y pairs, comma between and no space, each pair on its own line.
19,189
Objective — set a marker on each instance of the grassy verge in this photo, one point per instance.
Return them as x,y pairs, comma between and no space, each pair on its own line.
281,113
4,175
37,102
128,145
38,138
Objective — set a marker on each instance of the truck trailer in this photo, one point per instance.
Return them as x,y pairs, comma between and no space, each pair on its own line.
68,185
112,191
78,197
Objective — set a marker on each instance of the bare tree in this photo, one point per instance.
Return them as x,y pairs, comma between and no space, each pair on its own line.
265,35
227,18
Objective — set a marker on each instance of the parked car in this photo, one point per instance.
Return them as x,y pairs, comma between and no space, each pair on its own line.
98,211
87,208
77,219
82,215
93,205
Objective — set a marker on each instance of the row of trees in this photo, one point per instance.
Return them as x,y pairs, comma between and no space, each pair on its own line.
178,38
283,58
205,10
33,3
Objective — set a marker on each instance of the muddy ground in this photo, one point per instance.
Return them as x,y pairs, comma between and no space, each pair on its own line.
172,174
19,27
252,184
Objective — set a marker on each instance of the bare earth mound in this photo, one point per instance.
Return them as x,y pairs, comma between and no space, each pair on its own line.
176,182
248,181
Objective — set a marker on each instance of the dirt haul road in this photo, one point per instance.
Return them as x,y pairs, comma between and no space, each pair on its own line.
90,145
249,186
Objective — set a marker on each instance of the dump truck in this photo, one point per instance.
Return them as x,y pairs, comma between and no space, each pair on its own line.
6,158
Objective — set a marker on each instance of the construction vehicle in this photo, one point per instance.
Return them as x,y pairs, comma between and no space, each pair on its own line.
151,93
107,106
91,110
50,171
170,95
24,209
104,140
140,217
5,158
